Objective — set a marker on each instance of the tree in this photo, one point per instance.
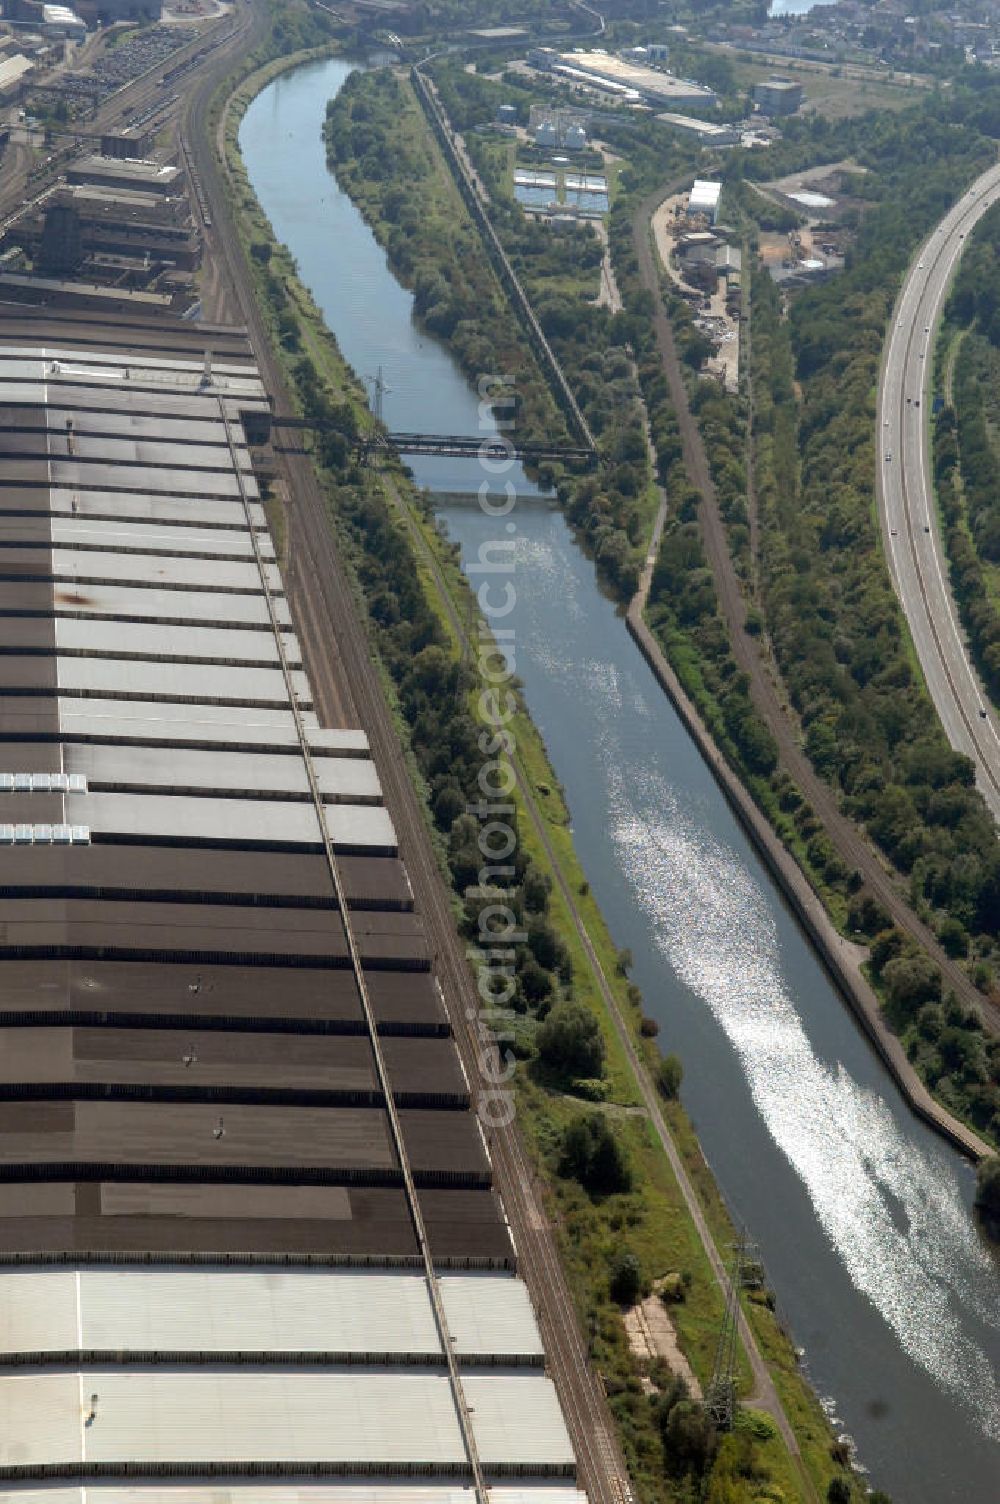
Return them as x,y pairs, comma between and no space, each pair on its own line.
910,981
988,1194
570,1041
669,1076
839,1491
593,1156
626,1279
689,1436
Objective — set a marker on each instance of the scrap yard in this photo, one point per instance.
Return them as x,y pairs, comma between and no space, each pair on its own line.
251,1224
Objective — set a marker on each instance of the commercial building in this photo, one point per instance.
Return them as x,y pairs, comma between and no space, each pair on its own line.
76,226
108,172
60,21
13,72
704,199
702,131
777,96
617,75
232,1112
108,11
729,264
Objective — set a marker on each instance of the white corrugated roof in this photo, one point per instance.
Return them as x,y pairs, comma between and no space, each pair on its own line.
517,1416
261,1310
490,1313
340,1417
704,194
14,68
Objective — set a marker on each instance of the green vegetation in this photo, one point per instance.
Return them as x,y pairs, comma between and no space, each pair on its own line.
626,1283
570,1042
592,1154
834,623
384,156
406,579
988,1195
669,1075
966,446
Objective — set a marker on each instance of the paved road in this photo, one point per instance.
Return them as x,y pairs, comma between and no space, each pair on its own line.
913,544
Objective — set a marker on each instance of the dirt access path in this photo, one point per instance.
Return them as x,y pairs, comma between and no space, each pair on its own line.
767,695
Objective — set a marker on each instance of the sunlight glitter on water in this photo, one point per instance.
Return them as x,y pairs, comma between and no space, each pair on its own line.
893,1213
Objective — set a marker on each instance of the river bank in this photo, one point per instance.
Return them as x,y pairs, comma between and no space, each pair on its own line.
746,1157
661,1228
842,959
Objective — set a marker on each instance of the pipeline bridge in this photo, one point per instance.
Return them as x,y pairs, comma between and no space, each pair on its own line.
491,447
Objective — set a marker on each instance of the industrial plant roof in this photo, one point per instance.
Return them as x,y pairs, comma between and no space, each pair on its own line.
295,1491
176,993
649,81
13,69
356,1315
231,1103
345,1420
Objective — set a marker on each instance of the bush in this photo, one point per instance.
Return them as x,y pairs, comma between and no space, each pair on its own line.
626,1279
590,1088
910,981
689,1436
672,1289
592,1155
988,1194
570,1041
669,1076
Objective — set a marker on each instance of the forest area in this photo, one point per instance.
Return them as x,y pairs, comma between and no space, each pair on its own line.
833,620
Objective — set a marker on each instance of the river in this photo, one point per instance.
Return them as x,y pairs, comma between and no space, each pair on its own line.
861,1214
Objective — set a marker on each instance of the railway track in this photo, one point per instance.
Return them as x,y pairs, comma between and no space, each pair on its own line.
321,597
354,956
848,839
138,102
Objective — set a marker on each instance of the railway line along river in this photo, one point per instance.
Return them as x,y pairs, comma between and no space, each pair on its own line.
862,1215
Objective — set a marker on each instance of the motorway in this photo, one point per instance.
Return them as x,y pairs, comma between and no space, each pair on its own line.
907,509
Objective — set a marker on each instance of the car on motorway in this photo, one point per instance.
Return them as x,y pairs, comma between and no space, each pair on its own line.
920,266
888,456
982,713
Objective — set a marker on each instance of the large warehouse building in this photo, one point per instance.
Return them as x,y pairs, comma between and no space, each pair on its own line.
663,90
249,1239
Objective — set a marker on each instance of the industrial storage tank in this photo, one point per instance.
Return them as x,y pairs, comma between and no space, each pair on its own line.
576,138
546,134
